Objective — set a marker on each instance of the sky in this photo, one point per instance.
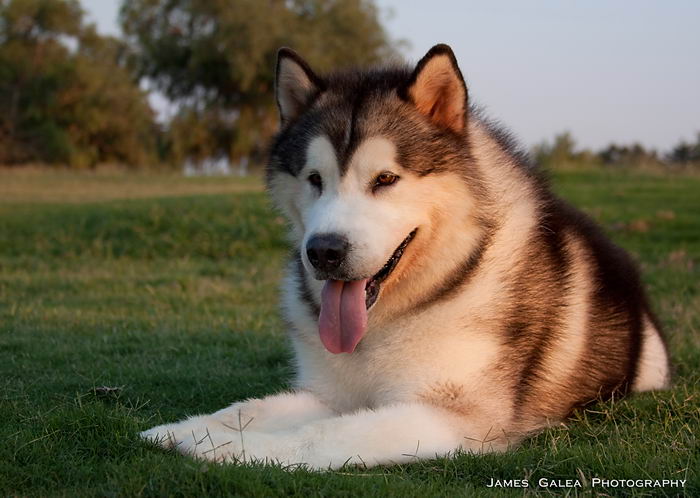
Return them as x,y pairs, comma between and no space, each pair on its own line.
604,70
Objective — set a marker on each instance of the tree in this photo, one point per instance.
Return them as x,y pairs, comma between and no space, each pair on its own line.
685,153
66,95
558,154
635,155
214,58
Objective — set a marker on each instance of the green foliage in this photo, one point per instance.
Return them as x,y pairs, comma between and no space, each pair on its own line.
685,153
173,300
198,135
66,95
215,59
634,155
562,153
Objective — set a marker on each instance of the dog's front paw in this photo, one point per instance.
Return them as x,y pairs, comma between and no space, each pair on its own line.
165,436
192,438
214,446
175,435
225,444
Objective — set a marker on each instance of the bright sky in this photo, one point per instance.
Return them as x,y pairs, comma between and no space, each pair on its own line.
606,70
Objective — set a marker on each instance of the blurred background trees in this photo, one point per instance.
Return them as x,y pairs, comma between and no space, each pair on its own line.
66,93
685,153
214,60
70,96
562,153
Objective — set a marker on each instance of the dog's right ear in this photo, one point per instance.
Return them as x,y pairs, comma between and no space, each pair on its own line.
295,84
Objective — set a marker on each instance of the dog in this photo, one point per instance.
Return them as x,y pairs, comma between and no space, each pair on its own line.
440,298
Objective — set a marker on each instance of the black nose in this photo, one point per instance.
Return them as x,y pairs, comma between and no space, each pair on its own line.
327,251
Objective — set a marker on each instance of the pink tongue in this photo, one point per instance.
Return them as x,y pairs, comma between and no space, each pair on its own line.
343,319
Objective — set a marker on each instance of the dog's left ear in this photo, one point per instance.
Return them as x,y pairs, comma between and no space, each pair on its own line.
295,83
437,89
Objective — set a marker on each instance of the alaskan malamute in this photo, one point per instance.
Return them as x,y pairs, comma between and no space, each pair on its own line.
439,296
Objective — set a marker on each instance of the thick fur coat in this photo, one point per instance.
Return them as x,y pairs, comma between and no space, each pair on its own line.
439,297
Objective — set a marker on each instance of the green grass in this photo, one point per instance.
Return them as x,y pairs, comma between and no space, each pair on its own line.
170,295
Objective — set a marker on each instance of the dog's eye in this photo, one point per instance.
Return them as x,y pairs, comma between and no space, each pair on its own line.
315,180
385,179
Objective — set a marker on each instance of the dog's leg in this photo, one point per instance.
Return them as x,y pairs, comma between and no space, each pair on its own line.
268,414
392,434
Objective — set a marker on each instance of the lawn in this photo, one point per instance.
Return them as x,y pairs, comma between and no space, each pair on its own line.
164,288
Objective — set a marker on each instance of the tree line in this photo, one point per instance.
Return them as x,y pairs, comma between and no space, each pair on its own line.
67,94
562,152
71,96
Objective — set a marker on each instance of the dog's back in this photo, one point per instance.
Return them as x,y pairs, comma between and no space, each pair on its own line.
577,325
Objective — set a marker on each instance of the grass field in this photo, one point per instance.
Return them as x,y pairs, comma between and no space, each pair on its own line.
166,288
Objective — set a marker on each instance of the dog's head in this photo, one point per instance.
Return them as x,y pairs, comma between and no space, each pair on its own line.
368,165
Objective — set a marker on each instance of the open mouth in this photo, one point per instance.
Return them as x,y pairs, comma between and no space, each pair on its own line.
373,284
342,321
